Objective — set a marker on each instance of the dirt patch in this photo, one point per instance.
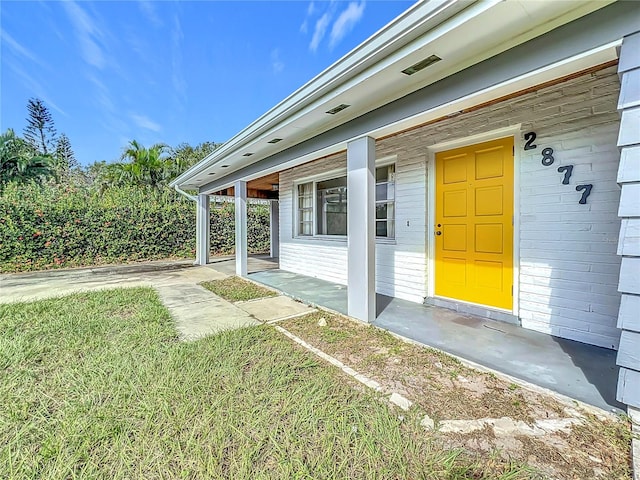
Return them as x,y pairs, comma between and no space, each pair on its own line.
437,382
445,389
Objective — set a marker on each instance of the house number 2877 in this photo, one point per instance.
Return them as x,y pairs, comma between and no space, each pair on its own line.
548,159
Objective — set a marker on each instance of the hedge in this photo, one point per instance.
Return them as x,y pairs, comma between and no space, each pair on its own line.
50,226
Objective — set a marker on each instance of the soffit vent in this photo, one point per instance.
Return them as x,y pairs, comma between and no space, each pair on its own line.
337,109
247,154
275,140
421,65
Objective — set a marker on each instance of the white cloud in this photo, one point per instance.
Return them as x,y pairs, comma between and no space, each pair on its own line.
143,121
88,34
102,94
19,49
177,77
276,62
35,87
345,22
311,10
319,31
149,11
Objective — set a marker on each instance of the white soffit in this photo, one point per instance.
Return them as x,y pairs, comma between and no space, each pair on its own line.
558,70
384,81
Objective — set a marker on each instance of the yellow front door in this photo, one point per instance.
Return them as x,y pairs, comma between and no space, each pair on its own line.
474,223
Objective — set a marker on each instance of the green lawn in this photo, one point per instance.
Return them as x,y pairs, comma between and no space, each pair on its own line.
97,385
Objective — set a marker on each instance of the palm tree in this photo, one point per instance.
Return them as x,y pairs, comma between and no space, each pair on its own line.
148,167
19,162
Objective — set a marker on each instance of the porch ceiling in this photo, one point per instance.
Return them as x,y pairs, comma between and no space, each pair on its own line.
264,187
371,75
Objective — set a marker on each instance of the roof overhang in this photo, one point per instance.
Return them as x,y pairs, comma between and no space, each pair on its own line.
371,77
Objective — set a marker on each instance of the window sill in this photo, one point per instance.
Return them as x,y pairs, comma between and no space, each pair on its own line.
330,238
339,239
385,241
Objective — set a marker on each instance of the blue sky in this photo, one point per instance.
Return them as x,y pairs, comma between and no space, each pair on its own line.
170,72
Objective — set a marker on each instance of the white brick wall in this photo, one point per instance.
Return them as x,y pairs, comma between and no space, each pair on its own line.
400,264
568,263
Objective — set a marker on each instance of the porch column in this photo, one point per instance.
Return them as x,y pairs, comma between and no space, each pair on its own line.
240,189
361,240
274,224
203,240
629,212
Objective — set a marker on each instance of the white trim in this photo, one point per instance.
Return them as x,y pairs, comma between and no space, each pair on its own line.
511,131
517,157
431,219
536,77
318,177
329,175
481,305
475,139
388,160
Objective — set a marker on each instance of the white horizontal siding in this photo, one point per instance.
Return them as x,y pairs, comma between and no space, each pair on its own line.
314,260
324,259
629,241
400,262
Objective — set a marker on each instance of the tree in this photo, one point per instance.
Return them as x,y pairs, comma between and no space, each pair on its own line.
184,155
20,162
66,162
40,132
147,167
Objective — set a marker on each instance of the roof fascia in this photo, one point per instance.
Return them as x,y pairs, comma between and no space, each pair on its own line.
598,28
397,32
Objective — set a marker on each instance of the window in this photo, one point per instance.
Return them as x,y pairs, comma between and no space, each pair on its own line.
385,201
322,205
331,207
305,209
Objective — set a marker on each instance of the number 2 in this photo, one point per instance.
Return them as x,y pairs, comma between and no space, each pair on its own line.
530,137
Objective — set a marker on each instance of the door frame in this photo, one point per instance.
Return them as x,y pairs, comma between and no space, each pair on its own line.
512,131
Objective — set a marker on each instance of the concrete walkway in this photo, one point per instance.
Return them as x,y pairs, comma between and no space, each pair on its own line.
196,311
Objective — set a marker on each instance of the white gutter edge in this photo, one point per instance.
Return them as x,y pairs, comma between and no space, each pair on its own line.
358,55
182,192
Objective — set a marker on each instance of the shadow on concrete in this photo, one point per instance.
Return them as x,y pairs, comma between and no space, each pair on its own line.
382,302
603,379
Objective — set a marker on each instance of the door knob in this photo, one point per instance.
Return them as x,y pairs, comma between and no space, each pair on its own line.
438,232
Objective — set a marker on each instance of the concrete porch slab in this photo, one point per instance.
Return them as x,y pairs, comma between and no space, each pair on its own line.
574,369
274,308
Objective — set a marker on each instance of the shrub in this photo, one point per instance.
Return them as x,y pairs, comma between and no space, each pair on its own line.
56,226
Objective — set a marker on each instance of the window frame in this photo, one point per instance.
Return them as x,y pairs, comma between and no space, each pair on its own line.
386,162
313,180
330,175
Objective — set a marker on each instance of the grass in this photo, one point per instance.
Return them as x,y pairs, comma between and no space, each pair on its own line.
445,389
97,385
235,289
